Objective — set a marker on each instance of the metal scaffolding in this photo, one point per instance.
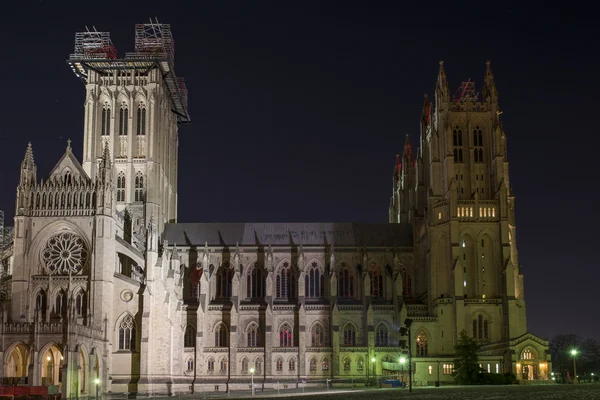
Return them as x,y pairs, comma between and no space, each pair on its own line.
94,44
154,48
466,91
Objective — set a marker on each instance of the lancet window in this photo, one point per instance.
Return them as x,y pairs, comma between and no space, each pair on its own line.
285,283
314,282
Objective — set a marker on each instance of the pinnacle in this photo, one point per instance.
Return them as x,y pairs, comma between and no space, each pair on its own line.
28,160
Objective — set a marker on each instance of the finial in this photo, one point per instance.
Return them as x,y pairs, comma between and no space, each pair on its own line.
488,63
68,144
441,63
425,96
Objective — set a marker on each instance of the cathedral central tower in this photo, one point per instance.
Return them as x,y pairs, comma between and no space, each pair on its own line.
134,106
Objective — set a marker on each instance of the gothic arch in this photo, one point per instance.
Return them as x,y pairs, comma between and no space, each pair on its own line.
339,264
39,241
21,360
310,262
529,351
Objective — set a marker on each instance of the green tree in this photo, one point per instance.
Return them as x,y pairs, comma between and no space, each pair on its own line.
466,365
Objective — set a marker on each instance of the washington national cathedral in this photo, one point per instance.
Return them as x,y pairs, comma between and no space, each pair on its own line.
101,281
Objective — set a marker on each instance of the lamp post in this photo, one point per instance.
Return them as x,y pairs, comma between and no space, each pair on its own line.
97,382
374,371
402,362
252,377
574,354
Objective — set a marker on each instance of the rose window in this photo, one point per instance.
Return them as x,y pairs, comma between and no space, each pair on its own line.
65,253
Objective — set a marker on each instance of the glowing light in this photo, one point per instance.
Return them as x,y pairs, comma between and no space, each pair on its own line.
97,381
403,360
48,358
574,352
373,359
251,370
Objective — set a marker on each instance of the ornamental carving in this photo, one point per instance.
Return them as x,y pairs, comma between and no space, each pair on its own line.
65,253
126,295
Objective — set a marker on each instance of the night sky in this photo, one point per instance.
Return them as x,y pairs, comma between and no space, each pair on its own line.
298,112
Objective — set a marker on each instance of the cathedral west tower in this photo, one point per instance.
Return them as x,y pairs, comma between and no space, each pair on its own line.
134,105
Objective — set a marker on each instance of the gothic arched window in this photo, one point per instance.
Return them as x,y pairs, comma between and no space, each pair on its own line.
406,283
255,283
279,364
245,365
381,335
121,186
349,335
376,281
480,328
345,282
313,365
60,307
253,335
422,344
105,130
457,143
292,364
285,283
127,333
224,277
190,364
139,186
40,303
123,118
258,365
221,335
317,334
347,364
314,282
141,120
285,336
478,144
189,339
80,303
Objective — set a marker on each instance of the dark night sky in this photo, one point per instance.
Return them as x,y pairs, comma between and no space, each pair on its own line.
298,112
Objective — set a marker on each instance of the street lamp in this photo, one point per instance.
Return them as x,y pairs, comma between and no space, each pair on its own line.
97,382
402,362
373,359
574,354
252,377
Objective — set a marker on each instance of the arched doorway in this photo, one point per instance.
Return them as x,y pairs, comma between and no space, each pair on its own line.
17,364
51,363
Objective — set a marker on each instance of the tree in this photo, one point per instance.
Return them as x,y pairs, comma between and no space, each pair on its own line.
588,356
466,365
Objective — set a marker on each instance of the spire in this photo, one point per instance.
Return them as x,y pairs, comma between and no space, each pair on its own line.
442,91
105,156
408,154
426,111
28,167
104,169
490,93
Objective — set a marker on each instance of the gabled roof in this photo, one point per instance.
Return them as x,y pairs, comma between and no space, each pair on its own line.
289,234
70,162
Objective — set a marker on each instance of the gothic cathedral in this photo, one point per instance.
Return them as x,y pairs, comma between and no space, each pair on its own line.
104,286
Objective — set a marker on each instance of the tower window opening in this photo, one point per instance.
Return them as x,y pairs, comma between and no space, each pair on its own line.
105,131
123,118
457,142
121,187
141,120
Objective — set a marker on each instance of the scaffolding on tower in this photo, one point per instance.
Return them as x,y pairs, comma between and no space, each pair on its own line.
94,44
154,48
466,92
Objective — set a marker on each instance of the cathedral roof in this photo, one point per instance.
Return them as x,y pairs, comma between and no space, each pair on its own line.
289,234
68,162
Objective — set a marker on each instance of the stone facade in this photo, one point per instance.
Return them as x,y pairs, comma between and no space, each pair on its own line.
104,284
